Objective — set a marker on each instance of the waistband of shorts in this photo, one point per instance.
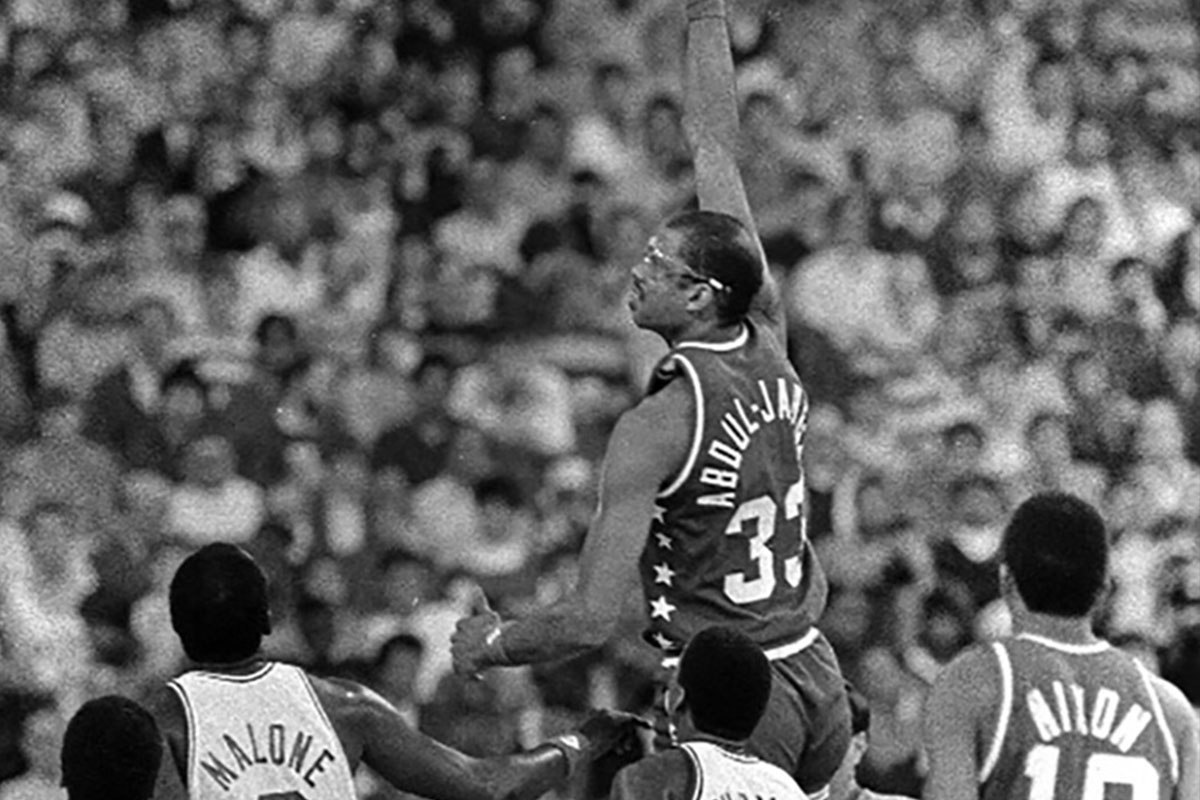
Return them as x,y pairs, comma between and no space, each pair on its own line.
776,653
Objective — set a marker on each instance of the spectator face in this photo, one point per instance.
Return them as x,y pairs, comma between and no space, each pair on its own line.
483,191
1182,348
612,91
978,507
209,462
155,328
547,139
1089,378
325,137
664,129
1160,434
60,422
1050,85
459,91
183,402
1048,442
185,230
406,584
1084,225
54,541
279,348
246,50
1090,142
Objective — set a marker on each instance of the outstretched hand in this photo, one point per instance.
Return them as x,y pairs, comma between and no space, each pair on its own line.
615,740
475,637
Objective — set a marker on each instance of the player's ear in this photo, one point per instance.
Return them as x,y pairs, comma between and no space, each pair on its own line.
699,295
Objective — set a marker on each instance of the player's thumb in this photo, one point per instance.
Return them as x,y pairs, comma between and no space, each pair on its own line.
478,601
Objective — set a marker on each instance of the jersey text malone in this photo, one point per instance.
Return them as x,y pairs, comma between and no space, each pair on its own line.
1069,709
783,404
272,746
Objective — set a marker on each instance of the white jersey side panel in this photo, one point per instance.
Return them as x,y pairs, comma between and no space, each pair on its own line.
261,736
725,775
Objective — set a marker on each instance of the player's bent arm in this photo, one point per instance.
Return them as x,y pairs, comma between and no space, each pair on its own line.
957,712
1185,727
647,446
414,763
665,776
711,125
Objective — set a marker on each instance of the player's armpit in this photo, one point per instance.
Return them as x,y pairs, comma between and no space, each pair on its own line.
1184,723
957,710
665,776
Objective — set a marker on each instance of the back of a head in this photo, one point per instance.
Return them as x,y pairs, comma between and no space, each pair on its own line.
719,246
1056,549
219,605
727,682
111,751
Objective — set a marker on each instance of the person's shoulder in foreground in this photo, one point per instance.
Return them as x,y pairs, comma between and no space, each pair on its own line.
716,700
219,609
112,750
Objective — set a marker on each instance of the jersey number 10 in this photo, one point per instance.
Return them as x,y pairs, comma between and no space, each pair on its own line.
762,512
1101,771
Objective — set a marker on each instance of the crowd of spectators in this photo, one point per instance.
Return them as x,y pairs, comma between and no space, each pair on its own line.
343,281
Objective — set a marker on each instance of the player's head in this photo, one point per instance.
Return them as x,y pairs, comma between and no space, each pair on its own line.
726,682
219,604
111,751
706,262
1055,554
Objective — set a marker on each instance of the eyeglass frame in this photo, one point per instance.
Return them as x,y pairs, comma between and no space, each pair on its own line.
654,254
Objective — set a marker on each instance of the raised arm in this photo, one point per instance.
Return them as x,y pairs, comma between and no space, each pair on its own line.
649,442
711,122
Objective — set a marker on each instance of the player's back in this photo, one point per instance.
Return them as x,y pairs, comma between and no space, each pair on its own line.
722,774
728,544
1076,722
260,735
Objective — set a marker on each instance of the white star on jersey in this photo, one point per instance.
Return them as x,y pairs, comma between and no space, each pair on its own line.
663,574
659,511
663,540
662,609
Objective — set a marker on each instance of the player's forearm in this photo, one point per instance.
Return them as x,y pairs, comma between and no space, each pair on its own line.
563,630
524,776
710,97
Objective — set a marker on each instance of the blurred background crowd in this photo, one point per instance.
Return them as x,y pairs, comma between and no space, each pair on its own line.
343,281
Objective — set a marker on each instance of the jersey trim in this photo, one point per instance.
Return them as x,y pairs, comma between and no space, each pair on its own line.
1161,719
250,677
720,347
190,716
774,654
1006,703
1065,647
306,682
697,429
697,770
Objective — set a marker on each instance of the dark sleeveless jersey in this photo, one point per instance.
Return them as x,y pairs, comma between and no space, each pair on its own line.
1076,722
727,544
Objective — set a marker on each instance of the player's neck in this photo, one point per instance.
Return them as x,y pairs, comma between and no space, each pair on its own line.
242,667
1068,630
705,331
693,735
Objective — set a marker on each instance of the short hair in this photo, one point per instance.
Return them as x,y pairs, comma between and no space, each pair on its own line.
219,605
111,750
274,320
719,246
184,373
400,642
727,681
1056,549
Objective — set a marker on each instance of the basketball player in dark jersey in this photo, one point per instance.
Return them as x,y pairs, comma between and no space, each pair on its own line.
702,490
239,726
1053,712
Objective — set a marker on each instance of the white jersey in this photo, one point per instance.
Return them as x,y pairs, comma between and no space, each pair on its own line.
726,775
260,736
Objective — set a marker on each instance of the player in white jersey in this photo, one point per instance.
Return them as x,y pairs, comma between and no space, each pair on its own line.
111,750
1053,712
240,727
717,699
